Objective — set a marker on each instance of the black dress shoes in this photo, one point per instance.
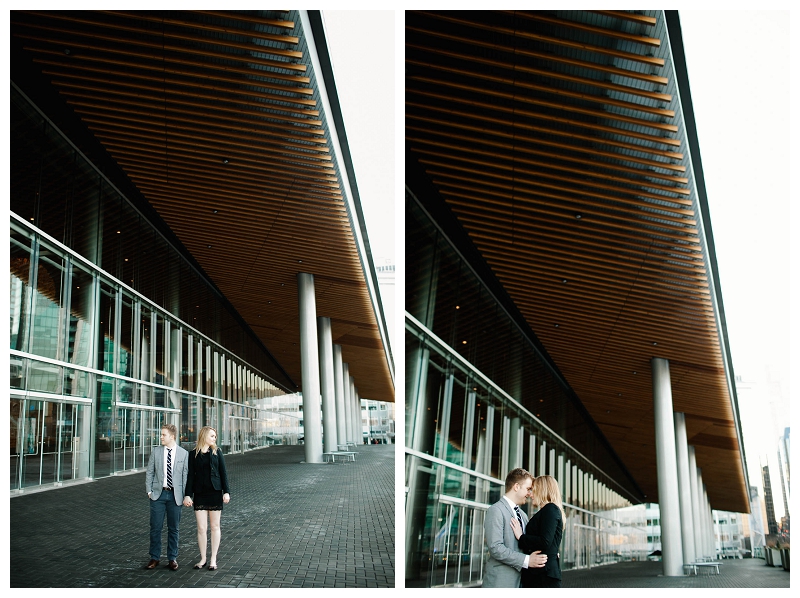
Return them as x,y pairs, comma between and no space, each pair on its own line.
173,565
152,564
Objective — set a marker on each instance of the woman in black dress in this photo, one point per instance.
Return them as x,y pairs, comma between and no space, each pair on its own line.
543,533
207,482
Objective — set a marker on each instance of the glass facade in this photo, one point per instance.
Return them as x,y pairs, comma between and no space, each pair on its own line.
112,331
480,401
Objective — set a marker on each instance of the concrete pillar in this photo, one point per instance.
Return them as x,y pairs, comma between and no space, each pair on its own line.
327,385
667,470
348,412
309,365
712,541
514,444
338,380
698,545
684,488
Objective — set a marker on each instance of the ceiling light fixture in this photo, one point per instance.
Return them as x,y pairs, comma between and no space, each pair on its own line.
564,280
225,160
578,216
463,342
556,325
654,344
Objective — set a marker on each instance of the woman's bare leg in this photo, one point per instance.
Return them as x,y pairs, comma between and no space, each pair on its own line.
202,528
215,535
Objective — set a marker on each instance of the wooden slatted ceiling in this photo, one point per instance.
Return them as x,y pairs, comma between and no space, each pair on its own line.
556,140
214,116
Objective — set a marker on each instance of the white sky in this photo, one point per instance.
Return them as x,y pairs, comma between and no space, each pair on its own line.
739,77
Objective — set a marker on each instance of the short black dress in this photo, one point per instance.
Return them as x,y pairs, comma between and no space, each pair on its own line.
206,498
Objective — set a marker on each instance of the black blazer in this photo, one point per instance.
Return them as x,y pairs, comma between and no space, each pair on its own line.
543,533
219,475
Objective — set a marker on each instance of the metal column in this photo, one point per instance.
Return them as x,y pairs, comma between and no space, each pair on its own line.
309,362
327,385
684,488
697,536
671,547
338,381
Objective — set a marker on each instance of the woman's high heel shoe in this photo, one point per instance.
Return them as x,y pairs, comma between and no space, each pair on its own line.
199,566
212,567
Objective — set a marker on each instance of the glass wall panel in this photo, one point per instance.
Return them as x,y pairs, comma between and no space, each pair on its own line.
106,329
21,292
49,315
17,436
104,427
82,320
77,383
127,357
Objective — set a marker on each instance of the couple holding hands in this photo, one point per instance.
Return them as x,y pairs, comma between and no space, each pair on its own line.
178,477
524,553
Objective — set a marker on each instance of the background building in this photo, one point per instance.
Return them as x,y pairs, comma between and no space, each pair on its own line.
187,243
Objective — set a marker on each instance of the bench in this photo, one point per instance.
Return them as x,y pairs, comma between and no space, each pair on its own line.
693,567
343,456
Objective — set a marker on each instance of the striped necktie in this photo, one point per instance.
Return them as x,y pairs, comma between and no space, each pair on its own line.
169,468
519,517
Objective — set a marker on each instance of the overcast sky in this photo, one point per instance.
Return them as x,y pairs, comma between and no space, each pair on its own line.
738,73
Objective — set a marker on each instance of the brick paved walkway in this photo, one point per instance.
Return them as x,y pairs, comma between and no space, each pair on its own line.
745,573
289,524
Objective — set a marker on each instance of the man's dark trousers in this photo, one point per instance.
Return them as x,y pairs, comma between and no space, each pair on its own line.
165,502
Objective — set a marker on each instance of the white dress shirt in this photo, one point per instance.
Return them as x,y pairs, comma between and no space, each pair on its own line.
527,556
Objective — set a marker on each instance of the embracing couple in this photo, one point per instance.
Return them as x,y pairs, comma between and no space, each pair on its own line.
177,477
524,553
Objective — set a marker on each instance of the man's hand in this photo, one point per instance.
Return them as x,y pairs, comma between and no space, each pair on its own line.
516,528
537,559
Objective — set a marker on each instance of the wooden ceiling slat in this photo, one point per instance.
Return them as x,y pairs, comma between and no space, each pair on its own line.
512,33
521,177
93,55
559,133
175,138
176,127
249,19
639,39
550,57
533,201
179,106
76,63
174,96
553,91
512,163
145,32
530,113
628,16
549,154
254,33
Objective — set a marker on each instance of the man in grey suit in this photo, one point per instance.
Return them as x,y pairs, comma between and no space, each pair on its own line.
165,483
506,560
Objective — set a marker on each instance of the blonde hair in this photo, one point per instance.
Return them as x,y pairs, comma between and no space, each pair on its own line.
545,489
202,440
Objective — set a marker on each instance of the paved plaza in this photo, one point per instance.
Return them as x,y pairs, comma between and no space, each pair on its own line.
289,524
733,573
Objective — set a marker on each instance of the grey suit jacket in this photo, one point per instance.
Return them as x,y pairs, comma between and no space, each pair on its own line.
503,566
154,480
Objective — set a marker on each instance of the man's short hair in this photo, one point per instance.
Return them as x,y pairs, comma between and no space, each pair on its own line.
516,475
171,428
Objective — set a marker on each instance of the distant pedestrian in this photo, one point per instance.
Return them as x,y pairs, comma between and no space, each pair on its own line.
165,482
505,560
543,533
207,490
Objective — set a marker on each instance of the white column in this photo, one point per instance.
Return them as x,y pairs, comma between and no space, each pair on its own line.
348,412
667,470
698,542
684,488
327,385
338,379
309,364
358,437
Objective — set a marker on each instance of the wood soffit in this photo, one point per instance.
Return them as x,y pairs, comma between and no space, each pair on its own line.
557,140
215,117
